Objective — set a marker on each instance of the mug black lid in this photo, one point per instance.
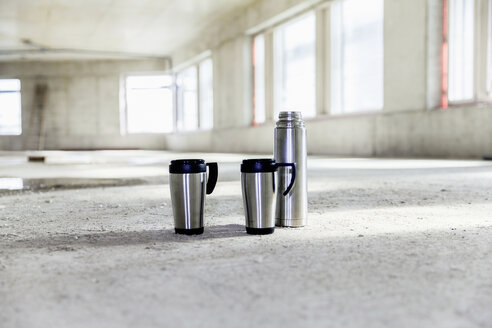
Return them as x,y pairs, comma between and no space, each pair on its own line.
258,165
187,166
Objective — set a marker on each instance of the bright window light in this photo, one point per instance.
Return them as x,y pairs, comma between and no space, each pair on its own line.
259,79
149,104
294,66
10,107
489,55
206,94
356,55
461,45
187,99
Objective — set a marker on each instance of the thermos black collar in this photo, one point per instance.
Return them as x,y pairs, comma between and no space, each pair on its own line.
258,165
187,166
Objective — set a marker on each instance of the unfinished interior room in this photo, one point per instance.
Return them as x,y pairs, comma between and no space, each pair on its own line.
245,163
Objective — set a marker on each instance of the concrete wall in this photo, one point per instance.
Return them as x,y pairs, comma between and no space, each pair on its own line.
462,132
410,123
82,107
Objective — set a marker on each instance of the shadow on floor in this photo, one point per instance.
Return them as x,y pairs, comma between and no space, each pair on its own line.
69,242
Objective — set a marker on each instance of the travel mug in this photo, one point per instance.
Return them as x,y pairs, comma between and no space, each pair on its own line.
188,184
259,193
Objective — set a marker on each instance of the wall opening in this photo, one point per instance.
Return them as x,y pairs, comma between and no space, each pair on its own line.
357,56
10,107
149,104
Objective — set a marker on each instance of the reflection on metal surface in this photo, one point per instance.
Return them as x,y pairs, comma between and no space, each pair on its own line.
188,199
259,196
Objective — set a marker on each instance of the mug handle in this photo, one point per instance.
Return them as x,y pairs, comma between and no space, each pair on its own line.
213,173
293,166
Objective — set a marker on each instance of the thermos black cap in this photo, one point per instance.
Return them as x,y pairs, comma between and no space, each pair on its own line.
187,166
258,165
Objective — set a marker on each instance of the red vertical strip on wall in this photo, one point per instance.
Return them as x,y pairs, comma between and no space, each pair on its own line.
444,56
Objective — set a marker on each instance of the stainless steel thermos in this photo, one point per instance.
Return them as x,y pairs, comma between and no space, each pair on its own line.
259,193
290,147
188,184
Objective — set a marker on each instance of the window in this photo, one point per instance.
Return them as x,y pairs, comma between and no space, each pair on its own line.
461,50
206,95
10,107
149,104
259,79
294,68
489,51
356,55
195,97
467,52
187,99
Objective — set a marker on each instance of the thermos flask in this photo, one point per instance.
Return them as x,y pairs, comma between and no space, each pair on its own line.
188,184
259,193
290,147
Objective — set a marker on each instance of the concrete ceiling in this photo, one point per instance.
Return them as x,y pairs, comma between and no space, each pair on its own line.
104,28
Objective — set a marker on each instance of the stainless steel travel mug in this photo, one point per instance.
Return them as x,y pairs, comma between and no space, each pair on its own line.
259,193
290,147
188,184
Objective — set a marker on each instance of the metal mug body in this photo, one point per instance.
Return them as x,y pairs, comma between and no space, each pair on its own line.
259,195
290,147
188,199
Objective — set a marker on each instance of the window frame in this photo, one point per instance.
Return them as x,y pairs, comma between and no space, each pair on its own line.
489,50
124,101
20,104
200,93
269,71
254,66
323,82
485,51
276,72
482,48
343,110
179,98
196,64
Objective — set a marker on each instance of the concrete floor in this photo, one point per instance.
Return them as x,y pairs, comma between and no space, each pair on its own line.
390,243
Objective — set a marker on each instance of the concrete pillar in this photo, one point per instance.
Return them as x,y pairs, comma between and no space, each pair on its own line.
405,74
323,61
231,84
434,43
269,76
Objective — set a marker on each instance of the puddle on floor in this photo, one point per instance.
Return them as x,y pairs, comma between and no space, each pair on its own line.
9,185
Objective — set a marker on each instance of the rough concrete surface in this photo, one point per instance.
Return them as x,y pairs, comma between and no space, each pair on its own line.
390,243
